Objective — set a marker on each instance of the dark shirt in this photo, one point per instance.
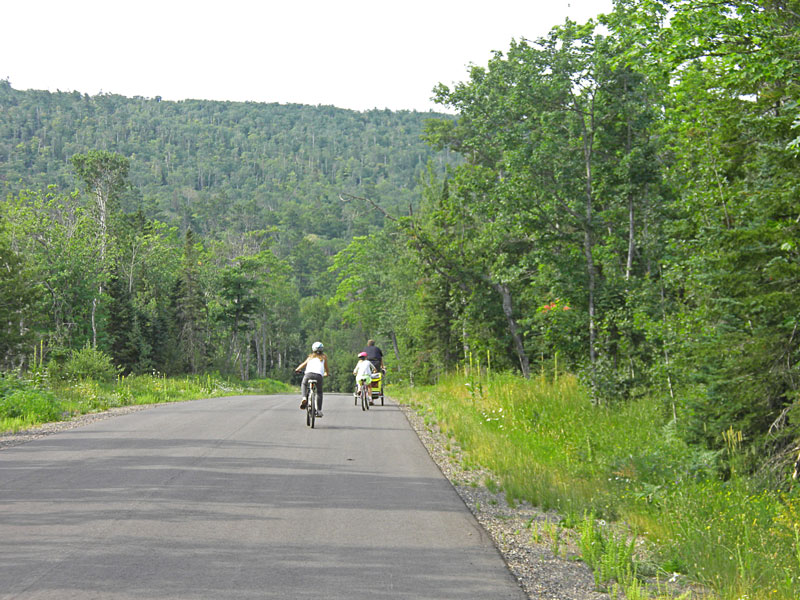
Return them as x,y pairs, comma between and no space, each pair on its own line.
374,355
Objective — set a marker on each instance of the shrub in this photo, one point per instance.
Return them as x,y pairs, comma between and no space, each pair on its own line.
34,405
87,363
24,401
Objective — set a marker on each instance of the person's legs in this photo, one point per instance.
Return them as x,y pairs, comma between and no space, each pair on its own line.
304,391
319,392
318,378
364,380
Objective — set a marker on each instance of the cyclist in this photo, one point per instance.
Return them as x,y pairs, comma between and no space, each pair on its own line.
316,367
374,355
363,373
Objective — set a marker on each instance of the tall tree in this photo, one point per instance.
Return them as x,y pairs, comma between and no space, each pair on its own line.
18,301
56,236
191,306
104,175
372,290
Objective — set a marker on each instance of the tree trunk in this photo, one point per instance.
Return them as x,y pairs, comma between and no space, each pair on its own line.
102,208
94,323
588,244
259,357
631,234
631,220
264,353
524,362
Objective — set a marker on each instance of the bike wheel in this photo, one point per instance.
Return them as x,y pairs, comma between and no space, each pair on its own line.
312,402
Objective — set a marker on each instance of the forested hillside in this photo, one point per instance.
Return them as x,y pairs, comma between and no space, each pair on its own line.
220,166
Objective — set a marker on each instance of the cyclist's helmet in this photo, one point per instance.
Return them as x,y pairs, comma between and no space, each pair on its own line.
362,355
317,347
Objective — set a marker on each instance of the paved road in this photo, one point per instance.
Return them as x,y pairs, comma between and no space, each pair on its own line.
237,498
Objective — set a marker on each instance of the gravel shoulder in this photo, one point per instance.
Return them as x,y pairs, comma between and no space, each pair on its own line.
540,554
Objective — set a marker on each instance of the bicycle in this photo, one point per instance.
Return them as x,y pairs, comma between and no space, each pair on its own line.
311,405
365,395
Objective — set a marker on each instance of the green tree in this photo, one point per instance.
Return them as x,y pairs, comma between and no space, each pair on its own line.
239,304
104,175
18,305
190,307
730,73
538,206
56,236
128,347
274,328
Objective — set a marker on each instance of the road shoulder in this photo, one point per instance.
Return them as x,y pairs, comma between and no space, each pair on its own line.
539,553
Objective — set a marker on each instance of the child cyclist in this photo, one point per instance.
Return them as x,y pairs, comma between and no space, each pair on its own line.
363,373
316,367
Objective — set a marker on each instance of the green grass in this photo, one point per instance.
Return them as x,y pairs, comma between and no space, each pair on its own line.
546,443
27,403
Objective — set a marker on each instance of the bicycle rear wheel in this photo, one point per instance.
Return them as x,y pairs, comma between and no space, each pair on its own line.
363,394
312,406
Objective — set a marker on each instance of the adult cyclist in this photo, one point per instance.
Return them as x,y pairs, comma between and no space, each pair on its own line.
374,355
316,367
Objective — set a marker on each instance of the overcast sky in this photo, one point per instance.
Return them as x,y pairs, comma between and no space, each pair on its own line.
358,54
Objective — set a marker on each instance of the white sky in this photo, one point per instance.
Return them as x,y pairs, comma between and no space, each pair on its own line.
357,54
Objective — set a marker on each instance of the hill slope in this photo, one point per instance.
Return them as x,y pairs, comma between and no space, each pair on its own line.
218,166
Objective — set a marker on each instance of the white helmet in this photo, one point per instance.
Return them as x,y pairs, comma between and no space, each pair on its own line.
317,347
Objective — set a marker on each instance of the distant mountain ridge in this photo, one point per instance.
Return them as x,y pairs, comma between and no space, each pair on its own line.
217,166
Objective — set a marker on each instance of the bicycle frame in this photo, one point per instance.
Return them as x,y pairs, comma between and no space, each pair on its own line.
365,395
311,407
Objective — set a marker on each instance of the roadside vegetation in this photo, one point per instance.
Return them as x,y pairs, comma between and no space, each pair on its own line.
88,382
645,505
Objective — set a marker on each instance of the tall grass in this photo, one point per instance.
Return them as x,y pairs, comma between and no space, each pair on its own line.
28,402
548,444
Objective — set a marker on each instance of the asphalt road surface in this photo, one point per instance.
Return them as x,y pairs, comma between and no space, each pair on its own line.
237,498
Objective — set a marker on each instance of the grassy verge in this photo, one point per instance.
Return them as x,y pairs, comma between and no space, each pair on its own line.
547,444
26,403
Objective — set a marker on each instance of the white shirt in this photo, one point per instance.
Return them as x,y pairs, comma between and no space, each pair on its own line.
364,367
315,365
